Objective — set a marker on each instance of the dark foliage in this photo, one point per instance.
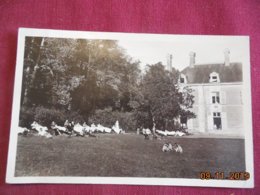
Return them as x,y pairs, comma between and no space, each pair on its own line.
26,116
160,101
80,79
108,117
45,116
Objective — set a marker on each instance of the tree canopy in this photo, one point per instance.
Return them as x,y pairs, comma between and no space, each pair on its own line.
86,76
160,100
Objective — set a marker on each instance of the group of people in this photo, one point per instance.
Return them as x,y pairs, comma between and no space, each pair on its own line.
82,130
167,147
70,128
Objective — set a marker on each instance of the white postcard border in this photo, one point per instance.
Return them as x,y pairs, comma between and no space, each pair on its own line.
23,32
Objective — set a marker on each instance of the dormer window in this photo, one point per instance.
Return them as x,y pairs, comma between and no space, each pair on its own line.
183,79
214,77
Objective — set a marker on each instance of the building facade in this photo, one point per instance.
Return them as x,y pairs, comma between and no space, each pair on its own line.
218,100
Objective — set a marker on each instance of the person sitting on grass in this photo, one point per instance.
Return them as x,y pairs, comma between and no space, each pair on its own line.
70,127
177,148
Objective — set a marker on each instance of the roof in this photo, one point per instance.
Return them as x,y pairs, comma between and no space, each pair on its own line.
200,73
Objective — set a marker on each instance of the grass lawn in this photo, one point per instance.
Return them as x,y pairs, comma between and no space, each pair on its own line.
127,155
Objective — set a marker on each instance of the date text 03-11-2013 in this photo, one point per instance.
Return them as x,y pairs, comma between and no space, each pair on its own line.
221,175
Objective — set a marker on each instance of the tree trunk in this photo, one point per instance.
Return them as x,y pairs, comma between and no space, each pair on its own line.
29,75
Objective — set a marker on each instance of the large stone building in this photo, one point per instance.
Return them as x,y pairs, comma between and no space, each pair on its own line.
217,90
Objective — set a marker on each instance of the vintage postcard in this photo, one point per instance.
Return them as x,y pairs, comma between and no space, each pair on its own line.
126,108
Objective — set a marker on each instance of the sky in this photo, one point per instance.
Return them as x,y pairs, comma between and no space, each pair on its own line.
208,49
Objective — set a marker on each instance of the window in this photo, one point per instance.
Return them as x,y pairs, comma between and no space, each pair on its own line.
215,98
214,77
183,79
216,114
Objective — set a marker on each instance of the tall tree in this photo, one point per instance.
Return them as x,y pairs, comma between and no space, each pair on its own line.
77,74
160,99
32,54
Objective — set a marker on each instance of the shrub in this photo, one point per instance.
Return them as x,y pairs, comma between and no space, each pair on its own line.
45,116
26,116
107,117
173,125
75,116
127,121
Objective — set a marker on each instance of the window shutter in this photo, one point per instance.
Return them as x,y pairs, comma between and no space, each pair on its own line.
210,122
241,97
224,120
223,97
208,97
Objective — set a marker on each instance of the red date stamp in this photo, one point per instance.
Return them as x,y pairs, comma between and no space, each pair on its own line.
221,175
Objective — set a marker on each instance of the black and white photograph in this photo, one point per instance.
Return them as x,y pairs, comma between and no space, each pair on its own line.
126,108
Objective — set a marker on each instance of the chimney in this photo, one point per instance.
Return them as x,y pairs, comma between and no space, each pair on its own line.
227,58
169,62
192,59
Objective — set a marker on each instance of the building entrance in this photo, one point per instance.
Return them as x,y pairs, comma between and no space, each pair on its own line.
217,120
